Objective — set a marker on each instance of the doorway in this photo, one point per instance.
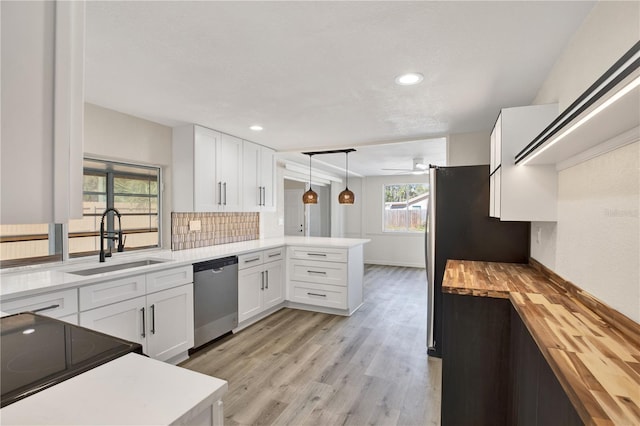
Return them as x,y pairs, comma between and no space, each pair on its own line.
312,220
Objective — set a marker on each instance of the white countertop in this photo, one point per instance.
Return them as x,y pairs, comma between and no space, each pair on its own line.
44,278
130,390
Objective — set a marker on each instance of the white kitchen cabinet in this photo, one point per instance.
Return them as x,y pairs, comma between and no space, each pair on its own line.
207,170
155,310
42,111
519,193
62,304
260,282
126,320
258,189
170,322
325,277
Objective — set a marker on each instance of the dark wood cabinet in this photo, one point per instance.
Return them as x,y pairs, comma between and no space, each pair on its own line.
475,360
537,398
493,373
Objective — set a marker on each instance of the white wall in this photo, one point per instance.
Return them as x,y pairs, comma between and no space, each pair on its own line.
364,220
113,135
469,149
594,243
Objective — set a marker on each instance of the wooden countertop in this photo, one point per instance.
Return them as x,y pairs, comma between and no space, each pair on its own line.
593,350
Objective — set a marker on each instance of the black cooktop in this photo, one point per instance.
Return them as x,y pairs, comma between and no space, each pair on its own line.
38,352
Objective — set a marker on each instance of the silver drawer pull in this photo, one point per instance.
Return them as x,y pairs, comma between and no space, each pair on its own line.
46,308
316,294
317,272
317,254
251,260
275,254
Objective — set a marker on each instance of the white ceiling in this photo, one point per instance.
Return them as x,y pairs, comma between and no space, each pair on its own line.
320,75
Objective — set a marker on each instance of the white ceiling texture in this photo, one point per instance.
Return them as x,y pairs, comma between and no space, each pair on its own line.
320,74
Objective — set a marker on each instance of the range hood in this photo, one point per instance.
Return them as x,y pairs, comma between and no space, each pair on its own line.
608,110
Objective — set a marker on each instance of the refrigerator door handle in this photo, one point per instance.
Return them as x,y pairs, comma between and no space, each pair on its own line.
430,256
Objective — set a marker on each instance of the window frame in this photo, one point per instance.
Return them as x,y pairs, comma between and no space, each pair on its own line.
406,230
110,199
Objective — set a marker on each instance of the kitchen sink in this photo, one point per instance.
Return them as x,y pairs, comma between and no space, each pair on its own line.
116,267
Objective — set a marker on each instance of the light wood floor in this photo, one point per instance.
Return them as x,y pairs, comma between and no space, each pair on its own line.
304,368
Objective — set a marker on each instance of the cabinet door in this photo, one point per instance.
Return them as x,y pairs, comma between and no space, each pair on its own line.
267,178
274,284
229,172
125,320
250,285
170,322
206,197
251,186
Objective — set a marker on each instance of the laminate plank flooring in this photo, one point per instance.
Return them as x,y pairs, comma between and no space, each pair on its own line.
307,368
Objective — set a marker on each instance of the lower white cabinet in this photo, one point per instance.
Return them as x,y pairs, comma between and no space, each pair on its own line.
261,286
155,310
62,304
325,277
161,322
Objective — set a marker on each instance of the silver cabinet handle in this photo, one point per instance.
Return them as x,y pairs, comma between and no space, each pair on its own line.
259,195
267,279
262,280
144,326
153,319
46,308
275,254
264,195
317,272
219,193
251,260
225,192
316,294
317,254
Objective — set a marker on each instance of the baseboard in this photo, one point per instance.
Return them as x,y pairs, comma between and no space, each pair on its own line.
388,263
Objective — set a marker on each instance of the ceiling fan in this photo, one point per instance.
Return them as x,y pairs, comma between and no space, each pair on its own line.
419,168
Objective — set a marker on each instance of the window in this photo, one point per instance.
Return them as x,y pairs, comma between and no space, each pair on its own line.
405,207
28,244
133,191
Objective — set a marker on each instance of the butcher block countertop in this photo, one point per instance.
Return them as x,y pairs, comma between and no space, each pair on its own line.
593,350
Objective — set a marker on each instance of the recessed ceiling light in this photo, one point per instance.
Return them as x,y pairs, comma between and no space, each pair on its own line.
409,79
256,128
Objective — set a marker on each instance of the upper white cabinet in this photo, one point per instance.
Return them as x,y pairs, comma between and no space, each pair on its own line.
258,189
207,170
518,193
42,111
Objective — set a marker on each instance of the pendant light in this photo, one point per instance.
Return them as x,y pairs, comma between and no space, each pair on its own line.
347,196
310,197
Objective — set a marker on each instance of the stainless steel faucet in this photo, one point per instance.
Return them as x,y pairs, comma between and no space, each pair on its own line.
108,235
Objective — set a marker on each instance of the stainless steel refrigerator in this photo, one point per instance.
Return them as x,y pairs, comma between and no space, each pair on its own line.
459,227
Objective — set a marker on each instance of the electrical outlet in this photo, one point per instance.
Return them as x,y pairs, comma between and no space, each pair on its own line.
194,225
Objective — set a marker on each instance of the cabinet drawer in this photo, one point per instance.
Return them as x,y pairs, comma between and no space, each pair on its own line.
272,255
250,259
111,292
321,254
169,278
56,304
319,272
319,295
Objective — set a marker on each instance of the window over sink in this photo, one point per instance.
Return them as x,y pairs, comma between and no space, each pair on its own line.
134,190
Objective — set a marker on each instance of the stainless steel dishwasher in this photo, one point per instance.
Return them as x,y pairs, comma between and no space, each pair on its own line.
215,294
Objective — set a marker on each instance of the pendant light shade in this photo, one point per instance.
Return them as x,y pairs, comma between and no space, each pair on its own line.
347,196
310,197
